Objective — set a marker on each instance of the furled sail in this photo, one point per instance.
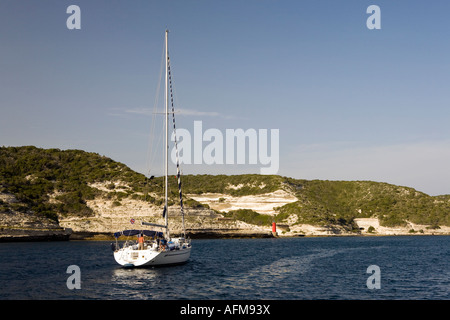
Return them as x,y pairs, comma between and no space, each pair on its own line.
176,145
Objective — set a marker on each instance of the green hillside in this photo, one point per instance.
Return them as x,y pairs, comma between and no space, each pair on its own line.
339,202
33,174
247,184
48,182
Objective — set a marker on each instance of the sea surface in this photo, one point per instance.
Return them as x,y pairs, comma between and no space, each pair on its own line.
330,268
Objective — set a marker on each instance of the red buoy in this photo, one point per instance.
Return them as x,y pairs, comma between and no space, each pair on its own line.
274,227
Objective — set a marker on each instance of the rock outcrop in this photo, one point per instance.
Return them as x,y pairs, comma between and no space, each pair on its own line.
19,226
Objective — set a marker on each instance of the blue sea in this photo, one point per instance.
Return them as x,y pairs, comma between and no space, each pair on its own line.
325,268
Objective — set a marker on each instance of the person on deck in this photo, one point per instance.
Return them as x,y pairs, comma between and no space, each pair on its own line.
141,242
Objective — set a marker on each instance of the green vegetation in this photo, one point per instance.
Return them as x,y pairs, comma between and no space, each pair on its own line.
250,216
49,182
340,202
237,185
33,175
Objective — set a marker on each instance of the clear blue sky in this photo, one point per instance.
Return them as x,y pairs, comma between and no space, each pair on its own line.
350,103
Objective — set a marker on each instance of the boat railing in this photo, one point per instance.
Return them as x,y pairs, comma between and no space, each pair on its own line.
152,244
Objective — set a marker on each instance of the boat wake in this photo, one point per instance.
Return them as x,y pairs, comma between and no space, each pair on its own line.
268,275
266,278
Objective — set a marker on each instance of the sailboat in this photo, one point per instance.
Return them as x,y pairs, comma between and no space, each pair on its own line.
157,248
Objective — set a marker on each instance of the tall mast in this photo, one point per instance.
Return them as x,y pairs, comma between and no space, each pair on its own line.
166,170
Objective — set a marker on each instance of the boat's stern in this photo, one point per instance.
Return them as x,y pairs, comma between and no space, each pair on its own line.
134,258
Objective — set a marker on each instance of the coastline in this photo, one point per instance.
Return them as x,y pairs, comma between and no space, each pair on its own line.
205,226
9,234
103,236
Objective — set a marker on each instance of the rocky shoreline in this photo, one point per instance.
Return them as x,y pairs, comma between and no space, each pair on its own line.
207,234
202,222
66,234
34,235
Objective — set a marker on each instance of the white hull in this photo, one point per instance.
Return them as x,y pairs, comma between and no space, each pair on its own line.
131,257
